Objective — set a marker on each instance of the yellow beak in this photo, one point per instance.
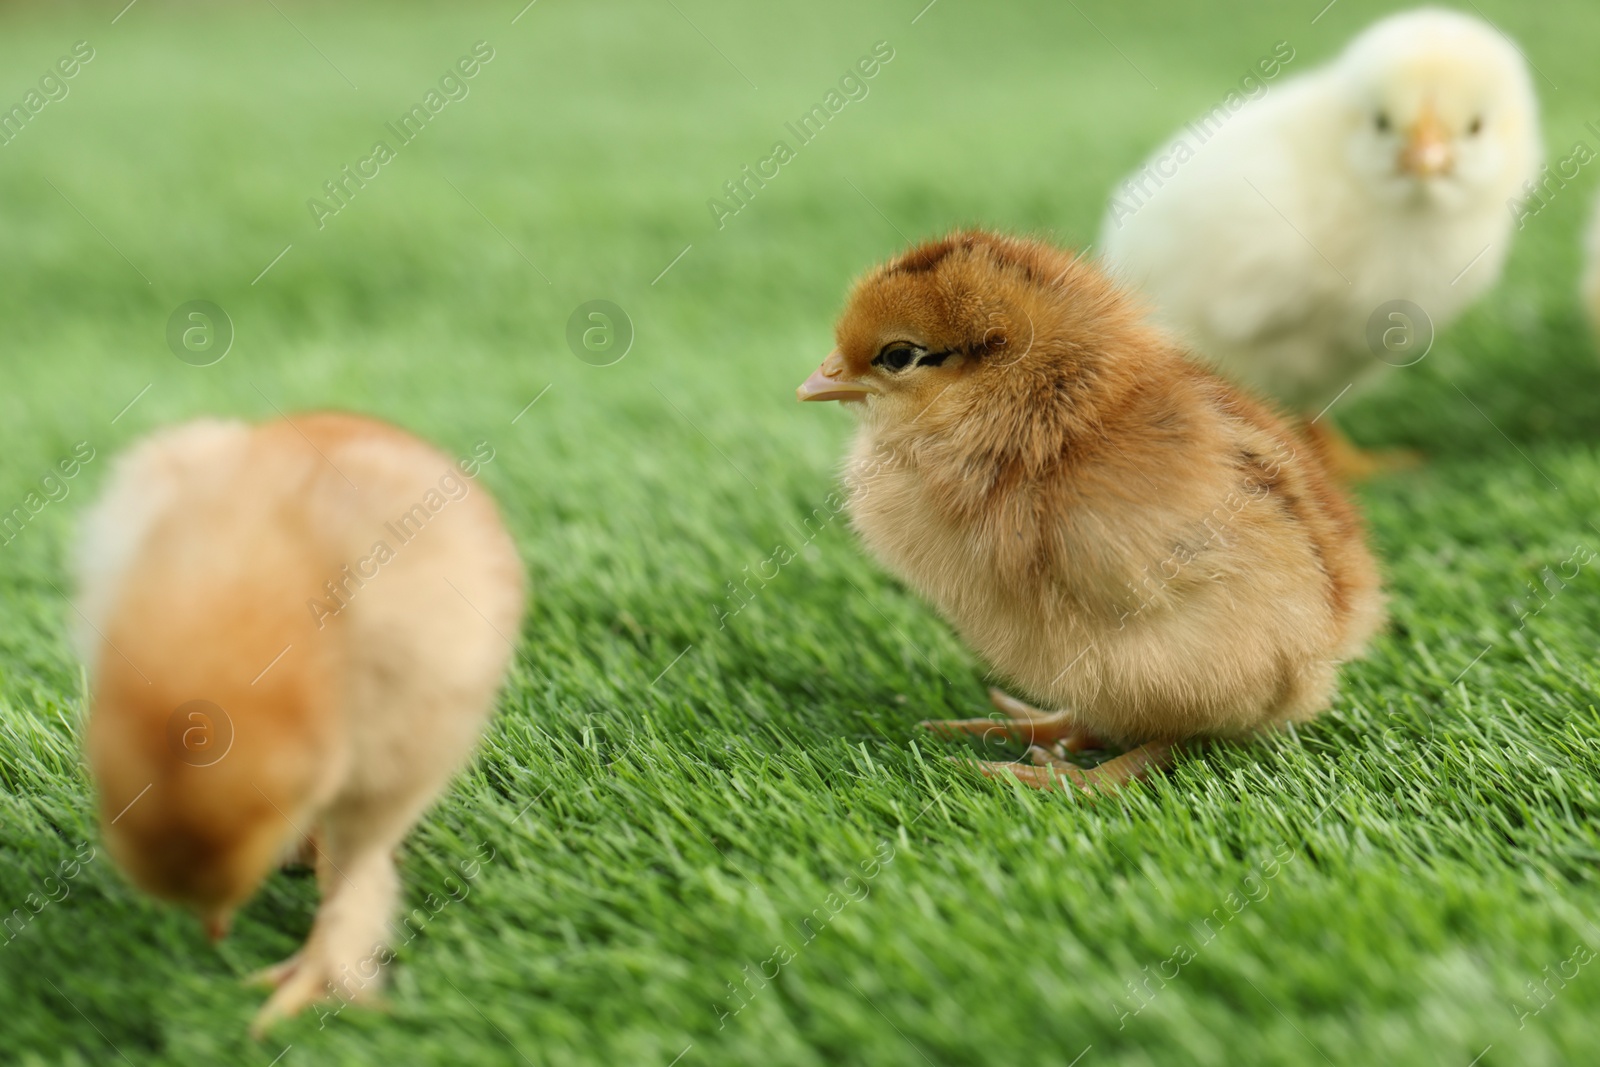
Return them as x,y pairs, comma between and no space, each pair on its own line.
825,382
1427,152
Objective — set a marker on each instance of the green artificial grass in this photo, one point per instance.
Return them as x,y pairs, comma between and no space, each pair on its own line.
706,840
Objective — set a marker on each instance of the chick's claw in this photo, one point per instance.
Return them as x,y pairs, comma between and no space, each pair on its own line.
298,989
274,976
1048,772
1028,725
1043,778
308,978
1045,757
1048,727
1132,766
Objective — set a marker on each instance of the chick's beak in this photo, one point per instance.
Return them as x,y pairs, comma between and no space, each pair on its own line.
1427,152
827,382
217,921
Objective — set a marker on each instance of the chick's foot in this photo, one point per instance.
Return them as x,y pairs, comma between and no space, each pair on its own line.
317,974
311,980
343,959
1027,724
274,976
1048,772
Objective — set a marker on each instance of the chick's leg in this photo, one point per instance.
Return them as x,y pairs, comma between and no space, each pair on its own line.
343,958
308,851
1026,724
1049,772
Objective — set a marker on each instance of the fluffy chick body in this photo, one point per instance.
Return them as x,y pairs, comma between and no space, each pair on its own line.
334,713
1383,175
1117,531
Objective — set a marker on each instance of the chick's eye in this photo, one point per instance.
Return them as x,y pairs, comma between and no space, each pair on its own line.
1382,122
1476,126
895,358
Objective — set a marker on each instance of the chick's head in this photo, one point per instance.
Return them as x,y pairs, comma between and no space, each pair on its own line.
1438,107
196,831
1001,340
211,871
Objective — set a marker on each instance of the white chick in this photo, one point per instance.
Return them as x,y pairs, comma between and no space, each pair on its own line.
1384,175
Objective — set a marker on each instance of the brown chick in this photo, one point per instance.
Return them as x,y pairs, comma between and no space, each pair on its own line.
295,633
1118,532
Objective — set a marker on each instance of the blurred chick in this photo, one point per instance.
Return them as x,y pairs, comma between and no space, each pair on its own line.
295,633
1270,236
1117,531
